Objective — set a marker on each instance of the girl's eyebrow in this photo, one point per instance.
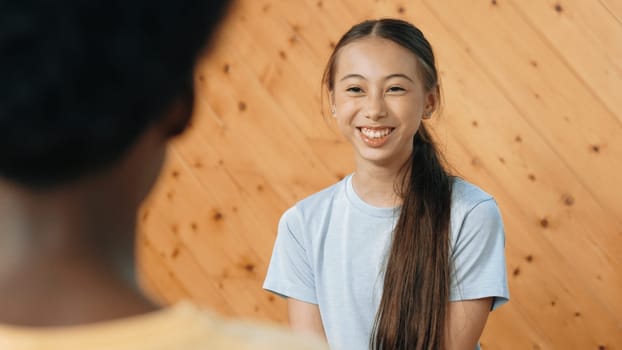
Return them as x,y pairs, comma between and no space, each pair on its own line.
352,76
399,75
396,75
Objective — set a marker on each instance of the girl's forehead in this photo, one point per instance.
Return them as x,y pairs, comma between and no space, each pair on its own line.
375,56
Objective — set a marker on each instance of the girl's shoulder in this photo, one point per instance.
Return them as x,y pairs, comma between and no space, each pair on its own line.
465,196
475,218
319,203
324,197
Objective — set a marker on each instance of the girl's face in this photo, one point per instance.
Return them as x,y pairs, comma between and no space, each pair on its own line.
379,100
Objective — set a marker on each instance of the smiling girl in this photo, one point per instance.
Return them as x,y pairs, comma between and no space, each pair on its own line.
399,254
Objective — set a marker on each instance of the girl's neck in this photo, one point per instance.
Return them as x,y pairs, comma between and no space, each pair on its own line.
377,185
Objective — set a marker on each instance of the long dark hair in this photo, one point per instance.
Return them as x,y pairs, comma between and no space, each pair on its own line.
413,307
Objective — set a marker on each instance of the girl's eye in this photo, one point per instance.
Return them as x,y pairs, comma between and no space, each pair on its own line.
354,89
395,89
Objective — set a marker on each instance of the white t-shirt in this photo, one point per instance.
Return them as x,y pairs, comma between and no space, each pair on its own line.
331,249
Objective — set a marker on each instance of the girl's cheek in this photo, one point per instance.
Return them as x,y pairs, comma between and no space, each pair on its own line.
348,105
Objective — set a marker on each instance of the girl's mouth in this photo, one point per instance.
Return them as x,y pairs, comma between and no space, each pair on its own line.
375,137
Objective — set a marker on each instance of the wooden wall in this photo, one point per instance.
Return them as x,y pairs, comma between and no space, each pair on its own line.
532,113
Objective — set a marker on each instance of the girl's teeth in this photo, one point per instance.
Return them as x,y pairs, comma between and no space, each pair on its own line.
375,134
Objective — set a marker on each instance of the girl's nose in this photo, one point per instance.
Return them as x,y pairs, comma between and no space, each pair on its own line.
376,108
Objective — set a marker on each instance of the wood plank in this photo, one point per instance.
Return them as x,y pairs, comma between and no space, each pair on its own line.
281,153
614,7
548,96
158,281
587,38
210,249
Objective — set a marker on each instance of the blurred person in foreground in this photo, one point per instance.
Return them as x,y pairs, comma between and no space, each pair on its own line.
91,93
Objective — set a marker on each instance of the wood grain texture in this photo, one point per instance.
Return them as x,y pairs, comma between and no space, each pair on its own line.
532,113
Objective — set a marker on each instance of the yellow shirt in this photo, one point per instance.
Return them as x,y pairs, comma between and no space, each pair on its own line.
182,326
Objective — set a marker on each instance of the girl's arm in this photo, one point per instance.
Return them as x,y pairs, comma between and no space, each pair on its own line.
465,323
305,318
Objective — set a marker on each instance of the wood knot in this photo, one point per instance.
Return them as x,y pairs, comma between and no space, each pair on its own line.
568,199
544,222
217,216
249,267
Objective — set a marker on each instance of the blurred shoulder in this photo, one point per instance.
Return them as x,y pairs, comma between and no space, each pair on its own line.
237,334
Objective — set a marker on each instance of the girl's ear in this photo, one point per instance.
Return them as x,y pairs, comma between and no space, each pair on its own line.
331,101
431,102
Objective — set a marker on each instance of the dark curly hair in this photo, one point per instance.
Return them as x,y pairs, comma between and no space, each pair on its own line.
81,80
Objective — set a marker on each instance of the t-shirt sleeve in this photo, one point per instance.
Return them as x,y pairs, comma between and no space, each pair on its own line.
478,256
290,273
